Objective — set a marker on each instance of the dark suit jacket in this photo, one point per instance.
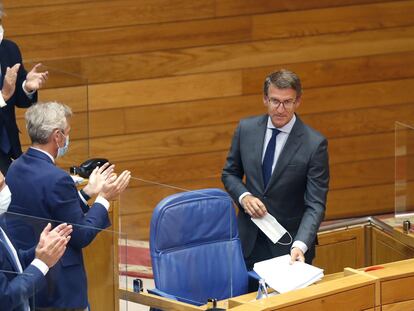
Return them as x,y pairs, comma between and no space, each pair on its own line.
41,189
296,193
17,288
9,56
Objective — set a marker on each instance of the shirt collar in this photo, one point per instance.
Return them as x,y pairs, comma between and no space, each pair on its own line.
45,152
287,128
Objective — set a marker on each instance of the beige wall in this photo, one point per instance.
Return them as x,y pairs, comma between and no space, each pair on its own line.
168,81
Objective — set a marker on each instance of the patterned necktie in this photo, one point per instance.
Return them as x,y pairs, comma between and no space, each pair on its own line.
269,157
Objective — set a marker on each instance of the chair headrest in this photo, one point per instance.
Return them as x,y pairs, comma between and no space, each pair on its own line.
191,218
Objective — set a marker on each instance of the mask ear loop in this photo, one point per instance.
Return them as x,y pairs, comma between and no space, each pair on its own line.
291,240
63,134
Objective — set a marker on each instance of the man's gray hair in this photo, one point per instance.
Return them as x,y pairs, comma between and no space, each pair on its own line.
283,79
43,118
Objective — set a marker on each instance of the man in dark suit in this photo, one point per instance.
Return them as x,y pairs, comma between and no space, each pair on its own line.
51,193
285,166
22,272
18,89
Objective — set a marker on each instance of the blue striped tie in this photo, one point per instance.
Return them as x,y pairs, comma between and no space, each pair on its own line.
269,157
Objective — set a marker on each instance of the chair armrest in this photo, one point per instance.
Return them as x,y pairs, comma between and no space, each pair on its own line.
158,292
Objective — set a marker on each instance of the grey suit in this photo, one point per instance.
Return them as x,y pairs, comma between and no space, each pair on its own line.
297,191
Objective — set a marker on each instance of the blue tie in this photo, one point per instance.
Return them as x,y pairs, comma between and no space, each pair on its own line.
269,157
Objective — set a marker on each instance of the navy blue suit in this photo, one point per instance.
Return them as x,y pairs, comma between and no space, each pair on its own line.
9,56
41,189
17,288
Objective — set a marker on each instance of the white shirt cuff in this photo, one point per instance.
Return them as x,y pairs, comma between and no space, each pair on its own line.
242,196
40,265
4,195
2,101
102,201
5,192
302,246
82,198
28,94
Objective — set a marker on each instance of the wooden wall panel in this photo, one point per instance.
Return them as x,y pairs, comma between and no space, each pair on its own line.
230,7
168,81
78,15
165,90
322,21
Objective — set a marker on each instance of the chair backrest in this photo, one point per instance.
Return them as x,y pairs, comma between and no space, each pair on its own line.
195,248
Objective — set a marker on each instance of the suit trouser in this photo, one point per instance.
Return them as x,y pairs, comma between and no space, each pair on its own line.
260,252
5,161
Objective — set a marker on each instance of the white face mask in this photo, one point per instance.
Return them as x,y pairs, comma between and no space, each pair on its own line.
1,33
62,150
5,199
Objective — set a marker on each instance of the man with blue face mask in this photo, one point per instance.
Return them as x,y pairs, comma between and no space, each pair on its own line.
49,192
17,89
22,272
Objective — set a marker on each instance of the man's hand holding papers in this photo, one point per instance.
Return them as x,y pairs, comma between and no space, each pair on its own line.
283,276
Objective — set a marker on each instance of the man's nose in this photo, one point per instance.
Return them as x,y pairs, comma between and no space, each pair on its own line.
280,108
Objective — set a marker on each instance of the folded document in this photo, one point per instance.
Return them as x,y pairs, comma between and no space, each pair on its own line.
282,276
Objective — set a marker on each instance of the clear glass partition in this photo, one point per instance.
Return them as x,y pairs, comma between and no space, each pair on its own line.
24,279
165,229
404,172
71,90
99,258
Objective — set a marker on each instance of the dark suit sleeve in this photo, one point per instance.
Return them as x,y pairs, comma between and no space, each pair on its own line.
20,288
233,171
64,202
20,98
315,195
26,256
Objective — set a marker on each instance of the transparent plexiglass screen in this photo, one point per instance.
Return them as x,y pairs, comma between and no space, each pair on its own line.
166,227
89,267
404,171
14,281
71,90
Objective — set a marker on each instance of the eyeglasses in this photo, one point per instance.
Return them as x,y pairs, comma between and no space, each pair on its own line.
287,104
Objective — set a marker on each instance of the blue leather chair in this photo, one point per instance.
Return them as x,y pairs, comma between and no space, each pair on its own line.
195,248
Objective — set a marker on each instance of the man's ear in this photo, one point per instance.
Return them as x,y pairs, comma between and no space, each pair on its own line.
54,135
265,100
298,101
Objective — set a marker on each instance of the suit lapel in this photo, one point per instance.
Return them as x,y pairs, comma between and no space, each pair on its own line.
257,151
291,146
9,255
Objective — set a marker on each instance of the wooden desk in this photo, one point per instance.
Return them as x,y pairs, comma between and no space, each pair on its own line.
370,242
388,289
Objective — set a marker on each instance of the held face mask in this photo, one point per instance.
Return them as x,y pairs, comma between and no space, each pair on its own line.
272,228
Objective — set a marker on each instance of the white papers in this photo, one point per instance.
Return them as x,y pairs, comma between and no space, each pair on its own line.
270,226
280,275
